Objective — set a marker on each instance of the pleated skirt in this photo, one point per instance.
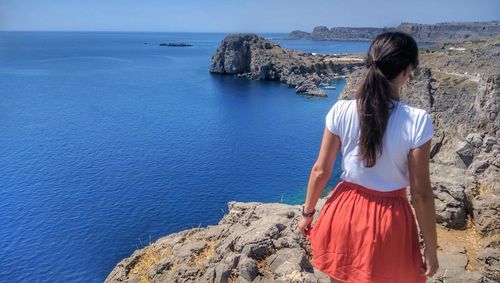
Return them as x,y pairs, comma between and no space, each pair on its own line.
363,235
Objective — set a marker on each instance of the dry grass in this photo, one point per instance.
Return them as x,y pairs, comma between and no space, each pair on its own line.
152,256
264,268
468,238
233,275
198,259
295,276
484,189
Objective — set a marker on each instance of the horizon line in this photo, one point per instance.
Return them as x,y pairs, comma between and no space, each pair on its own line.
151,31
283,32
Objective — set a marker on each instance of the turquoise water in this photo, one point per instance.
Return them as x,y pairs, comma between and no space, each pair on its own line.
110,141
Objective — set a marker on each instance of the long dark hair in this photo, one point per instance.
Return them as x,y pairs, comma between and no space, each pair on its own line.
388,55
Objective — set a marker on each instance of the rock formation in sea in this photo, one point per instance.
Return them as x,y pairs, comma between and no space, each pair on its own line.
251,56
175,44
260,242
450,31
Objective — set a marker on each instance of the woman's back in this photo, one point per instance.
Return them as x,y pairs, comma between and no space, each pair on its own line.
366,230
407,128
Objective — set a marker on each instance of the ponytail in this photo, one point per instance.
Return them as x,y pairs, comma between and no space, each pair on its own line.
388,55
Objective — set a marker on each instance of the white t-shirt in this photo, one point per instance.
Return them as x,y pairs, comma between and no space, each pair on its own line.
408,127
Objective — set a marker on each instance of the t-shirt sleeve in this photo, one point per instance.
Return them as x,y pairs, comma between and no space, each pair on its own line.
331,119
424,130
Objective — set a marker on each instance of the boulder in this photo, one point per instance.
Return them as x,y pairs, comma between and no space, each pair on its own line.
487,213
452,267
489,259
449,191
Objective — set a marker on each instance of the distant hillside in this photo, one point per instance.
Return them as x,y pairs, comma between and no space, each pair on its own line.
451,31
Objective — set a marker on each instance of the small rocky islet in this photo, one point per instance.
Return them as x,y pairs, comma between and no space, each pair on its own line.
259,242
175,44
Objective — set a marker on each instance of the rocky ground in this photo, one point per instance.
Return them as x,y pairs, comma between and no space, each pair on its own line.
251,56
260,242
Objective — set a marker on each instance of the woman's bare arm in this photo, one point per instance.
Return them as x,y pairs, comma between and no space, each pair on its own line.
322,168
422,199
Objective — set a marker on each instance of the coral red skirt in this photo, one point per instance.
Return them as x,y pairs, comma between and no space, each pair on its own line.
364,235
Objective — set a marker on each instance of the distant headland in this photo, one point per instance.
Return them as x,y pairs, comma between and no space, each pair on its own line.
254,57
448,31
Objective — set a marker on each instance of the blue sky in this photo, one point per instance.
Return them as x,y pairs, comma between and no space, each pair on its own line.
233,16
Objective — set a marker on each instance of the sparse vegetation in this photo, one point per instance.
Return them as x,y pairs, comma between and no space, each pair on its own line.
264,268
153,255
295,276
206,253
234,275
484,189
149,258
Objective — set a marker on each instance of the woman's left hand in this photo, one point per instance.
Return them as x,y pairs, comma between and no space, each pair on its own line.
305,224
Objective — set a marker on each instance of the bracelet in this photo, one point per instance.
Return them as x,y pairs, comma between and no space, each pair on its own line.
307,214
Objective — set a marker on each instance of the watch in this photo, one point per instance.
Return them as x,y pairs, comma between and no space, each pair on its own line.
307,214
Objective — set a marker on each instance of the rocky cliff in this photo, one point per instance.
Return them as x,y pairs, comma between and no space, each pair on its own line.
259,242
452,31
251,56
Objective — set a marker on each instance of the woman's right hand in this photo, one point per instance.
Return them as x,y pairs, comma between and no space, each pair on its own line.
431,264
305,224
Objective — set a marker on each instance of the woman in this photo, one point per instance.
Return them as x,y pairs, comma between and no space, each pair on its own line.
366,230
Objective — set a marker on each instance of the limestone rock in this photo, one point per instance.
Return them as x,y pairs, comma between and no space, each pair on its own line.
452,268
233,56
287,260
450,198
248,268
489,259
254,57
487,213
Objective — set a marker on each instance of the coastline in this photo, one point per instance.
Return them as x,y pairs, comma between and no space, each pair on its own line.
254,57
445,31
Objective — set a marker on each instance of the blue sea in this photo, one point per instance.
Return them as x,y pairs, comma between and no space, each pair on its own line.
110,141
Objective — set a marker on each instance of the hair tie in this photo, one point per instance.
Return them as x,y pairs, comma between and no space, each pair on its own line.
373,62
